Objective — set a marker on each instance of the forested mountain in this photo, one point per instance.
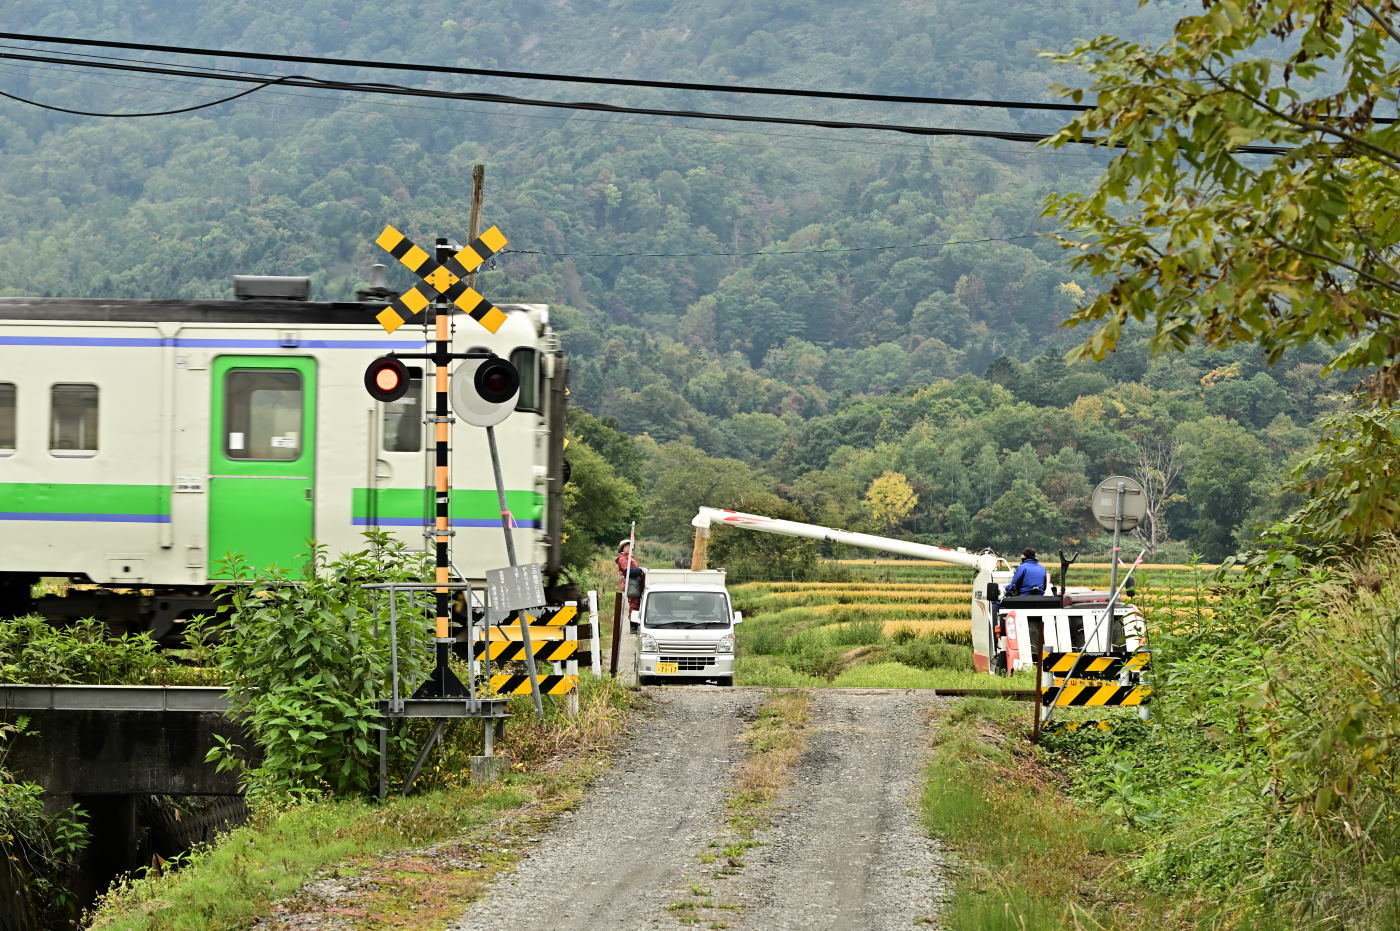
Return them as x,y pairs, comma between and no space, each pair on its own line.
821,307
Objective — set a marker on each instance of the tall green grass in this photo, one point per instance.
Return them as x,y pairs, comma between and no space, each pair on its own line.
1286,718
1032,859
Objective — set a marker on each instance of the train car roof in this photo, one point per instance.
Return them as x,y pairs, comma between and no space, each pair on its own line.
109,310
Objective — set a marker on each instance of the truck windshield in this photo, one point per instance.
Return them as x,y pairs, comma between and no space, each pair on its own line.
692,610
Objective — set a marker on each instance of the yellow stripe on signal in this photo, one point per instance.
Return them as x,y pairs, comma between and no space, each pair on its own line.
389,319
414,258
414,300
468,258
493,319
469,300
389,239
494,239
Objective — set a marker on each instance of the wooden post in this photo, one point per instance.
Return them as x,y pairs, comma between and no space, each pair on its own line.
474,216
595,653
619,600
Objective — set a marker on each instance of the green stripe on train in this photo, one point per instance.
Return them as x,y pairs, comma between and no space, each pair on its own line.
467,504
63,498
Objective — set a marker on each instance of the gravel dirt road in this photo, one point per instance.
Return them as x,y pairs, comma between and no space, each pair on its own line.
845,850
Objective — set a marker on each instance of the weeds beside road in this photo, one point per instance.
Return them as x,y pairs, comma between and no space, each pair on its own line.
283,848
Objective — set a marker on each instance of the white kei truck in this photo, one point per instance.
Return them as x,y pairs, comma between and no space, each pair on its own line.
686,627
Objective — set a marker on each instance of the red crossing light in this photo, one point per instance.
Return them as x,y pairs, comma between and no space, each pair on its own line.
386,379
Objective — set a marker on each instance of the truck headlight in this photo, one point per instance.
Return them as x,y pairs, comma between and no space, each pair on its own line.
648,643
725,644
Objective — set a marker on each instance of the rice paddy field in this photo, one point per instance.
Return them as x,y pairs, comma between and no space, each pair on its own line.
905,623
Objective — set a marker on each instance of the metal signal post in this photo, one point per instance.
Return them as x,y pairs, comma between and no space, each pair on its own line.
442,683
483,399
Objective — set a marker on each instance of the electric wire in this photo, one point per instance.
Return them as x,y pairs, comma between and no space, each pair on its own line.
824,145
189,109
399,90
552,77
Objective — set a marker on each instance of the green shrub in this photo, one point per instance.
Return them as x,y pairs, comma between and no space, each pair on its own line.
811,652
761,637
306,667
40,847
857,633
773,672
932,653
1287,719
33,650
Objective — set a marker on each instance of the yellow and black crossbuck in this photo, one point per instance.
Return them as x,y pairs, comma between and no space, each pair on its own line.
446,278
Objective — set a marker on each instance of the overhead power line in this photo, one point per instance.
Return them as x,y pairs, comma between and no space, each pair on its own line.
546,76
198,106
399,90
430,113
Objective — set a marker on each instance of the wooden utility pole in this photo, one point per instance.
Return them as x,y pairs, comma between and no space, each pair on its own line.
474,217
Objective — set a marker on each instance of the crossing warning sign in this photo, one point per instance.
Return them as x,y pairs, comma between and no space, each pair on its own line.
445,278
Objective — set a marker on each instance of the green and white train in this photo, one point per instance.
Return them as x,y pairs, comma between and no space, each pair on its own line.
142,441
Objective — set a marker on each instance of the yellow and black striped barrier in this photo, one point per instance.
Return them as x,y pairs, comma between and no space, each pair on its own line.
559,617
1094,679
504,651
1074,693
446,278
553,638
1096,665
519,684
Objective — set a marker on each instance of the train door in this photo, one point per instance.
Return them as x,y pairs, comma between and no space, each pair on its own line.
262,460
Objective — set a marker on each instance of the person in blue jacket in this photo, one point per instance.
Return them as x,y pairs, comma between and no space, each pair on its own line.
1030,577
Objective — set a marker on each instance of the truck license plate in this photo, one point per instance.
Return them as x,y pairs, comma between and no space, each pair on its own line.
663,669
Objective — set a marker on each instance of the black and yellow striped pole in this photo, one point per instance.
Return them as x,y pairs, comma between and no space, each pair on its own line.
442,683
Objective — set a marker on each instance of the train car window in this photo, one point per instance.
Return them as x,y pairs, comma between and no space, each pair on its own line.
73,420
262,414
526,362
7,418
403,419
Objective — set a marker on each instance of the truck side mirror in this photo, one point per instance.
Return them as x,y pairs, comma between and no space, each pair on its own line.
738,617
993,591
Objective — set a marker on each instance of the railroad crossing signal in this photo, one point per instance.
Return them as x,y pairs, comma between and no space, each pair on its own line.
446,278
387,379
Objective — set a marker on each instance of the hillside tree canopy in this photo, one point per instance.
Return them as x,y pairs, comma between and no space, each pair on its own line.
1210,242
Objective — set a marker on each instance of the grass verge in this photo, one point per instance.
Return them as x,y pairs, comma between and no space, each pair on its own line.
1030,857
776,740
253,870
